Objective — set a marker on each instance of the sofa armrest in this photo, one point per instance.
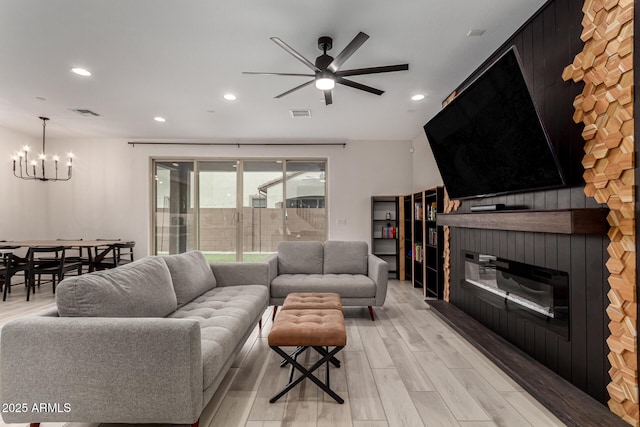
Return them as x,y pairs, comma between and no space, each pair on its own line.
241,273
272,261
379,273
114,370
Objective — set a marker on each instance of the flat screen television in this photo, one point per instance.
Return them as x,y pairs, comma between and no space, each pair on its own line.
490,139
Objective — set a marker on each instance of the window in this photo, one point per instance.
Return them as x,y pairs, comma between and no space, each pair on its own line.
236,210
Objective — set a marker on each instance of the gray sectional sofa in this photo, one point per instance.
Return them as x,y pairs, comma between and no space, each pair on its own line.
345,268
147,342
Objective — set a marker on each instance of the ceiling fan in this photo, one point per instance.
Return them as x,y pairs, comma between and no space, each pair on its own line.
327,68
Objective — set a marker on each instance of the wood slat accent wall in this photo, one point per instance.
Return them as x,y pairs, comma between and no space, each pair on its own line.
449,206
606,108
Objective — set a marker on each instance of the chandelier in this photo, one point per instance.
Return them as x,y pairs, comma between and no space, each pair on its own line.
31,170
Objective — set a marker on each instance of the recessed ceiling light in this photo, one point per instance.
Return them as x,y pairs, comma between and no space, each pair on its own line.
417,97
160,119
41,98
81,72
475,32
230,97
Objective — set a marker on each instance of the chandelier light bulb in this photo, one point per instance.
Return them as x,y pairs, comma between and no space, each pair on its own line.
42,156
26,148
33,163
56,158
70,155
21,154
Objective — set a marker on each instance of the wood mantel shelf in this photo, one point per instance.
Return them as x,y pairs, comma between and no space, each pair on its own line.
561,221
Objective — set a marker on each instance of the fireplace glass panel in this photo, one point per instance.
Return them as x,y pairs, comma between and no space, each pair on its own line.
540,290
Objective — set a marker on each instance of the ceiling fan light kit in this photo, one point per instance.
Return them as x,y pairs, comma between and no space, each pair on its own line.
325,83
327,68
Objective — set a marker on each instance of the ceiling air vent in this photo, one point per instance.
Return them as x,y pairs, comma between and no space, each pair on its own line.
300,114
85,112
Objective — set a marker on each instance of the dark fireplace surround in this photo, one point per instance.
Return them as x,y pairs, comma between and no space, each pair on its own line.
577,350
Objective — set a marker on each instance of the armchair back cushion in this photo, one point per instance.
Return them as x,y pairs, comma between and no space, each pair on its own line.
191,275
300,258
345,257
140,289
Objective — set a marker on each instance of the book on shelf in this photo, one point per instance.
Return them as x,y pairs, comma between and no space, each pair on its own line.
418,211
389,232
432,236
418,252
432,211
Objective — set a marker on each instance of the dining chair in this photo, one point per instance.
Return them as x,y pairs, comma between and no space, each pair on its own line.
124,252
11,265
74,254
113,255
5,253
56,266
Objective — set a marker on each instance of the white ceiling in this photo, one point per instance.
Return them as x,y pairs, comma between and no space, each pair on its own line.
176,59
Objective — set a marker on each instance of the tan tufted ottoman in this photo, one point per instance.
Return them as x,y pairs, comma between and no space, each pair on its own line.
312,300
303,300
318,328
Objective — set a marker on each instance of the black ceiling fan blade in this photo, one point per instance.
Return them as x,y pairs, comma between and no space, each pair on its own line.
328,99
348,51
299,57
373,70
360,86
277,74
295,89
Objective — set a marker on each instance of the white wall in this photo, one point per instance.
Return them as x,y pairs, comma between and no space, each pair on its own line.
22,203
110,193
425,171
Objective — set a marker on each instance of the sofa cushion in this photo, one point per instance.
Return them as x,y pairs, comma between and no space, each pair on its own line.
345,257
140,289
300,258
346,285
225,316
191,275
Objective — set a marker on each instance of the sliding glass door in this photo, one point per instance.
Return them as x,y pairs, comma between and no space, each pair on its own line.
262,212
235,210
174,216
218,210
306,217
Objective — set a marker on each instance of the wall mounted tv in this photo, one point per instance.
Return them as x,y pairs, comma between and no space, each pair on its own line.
490,139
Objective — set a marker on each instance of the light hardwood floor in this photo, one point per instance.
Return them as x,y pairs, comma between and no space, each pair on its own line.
407,368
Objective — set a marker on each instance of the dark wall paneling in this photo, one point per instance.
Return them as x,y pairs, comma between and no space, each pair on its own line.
564,347
546,44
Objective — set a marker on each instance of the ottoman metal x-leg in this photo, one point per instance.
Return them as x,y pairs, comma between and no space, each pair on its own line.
308,373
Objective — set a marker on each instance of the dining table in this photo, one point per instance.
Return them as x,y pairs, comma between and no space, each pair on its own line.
10,245
58,242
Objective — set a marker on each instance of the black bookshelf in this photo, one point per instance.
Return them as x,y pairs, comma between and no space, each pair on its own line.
408,236
385,231
434,239
418,248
